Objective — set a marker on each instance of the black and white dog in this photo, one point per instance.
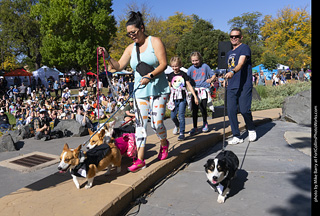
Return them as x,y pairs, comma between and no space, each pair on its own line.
220,171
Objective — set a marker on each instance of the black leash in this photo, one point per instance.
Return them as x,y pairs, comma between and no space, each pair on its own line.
224,115
113,114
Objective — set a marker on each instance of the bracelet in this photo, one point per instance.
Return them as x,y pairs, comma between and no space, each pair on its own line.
144,77
232,71
108,58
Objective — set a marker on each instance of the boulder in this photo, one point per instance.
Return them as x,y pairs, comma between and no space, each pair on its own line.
20,134
71,127
6,143
297,108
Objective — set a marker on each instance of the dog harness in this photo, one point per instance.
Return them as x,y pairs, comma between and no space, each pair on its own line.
93,156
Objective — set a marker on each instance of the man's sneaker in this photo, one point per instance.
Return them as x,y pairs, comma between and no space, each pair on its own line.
193,131
205,128
252,135
175,130
235,141
181,137
163,154
45,138
137,165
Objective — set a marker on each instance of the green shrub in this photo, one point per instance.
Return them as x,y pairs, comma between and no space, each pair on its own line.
262,91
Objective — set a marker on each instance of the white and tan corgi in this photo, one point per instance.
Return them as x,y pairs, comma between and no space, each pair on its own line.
88,164
107,130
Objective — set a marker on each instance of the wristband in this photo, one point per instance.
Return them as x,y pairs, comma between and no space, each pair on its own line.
108,58
232,71
151,75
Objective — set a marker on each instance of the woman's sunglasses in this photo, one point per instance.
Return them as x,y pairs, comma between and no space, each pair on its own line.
132,33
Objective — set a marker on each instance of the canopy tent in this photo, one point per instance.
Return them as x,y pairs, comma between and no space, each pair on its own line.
19,73
91,74
268,73
60,74
45,73
71,72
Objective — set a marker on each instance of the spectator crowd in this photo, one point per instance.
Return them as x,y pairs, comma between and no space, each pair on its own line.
41,107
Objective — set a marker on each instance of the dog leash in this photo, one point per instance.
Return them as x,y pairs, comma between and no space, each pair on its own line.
113,114
224,115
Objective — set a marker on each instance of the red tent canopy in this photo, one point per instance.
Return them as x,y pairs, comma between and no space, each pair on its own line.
91,74
18,72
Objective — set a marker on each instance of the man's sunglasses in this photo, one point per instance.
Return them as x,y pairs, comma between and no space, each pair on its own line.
235,36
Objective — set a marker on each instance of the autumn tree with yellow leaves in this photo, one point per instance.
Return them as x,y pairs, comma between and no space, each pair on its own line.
287,38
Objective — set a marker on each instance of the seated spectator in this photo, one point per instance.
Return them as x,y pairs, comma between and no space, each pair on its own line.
86,106
29,119
12,108
85,92
129,112
54,117
66,93
4,121
42,126
101,113
80,95
82,118
20,119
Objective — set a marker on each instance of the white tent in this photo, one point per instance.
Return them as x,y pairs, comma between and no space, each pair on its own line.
44,73
282,67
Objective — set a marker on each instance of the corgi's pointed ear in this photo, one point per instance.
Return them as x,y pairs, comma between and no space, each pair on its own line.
66,147
102,133
90,132
79,148
111,124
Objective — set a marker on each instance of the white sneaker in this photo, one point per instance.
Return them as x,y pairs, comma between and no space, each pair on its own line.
175,131
235,141
252,135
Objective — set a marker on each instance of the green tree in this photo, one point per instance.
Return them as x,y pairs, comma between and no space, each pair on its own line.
20,31
173,30
288,37
170,31
270,61
72,30
9,63
204,39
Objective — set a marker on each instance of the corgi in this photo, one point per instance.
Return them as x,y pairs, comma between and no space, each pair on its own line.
108,132
88,164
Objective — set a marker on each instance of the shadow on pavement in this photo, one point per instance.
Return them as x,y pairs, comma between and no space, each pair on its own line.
299,203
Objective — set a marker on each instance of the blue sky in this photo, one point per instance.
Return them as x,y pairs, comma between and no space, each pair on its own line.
218,12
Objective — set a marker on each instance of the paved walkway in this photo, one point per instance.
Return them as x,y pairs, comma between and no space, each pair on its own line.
274,179
56,194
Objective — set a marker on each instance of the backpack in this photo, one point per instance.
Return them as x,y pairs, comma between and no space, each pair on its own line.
126,143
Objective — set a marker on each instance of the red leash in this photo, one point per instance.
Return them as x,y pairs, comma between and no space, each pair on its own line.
98,97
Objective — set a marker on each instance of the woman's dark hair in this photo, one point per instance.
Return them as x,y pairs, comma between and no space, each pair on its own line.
135,18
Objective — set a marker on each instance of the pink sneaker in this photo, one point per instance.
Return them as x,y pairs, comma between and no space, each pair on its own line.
163,154
137,165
